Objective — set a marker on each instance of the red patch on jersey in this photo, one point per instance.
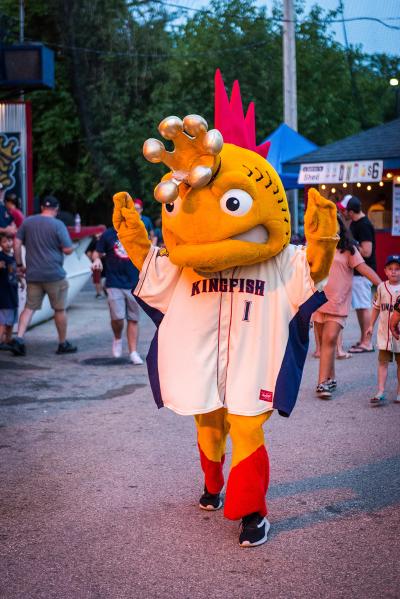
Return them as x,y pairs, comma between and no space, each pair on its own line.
266,395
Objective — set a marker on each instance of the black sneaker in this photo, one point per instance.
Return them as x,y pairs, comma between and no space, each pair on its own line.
253,530
209,501
66,348
17,346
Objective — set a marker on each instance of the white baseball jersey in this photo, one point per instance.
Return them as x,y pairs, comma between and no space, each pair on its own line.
384,300
237,339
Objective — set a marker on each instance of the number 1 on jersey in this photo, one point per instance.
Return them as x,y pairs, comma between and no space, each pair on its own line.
246,312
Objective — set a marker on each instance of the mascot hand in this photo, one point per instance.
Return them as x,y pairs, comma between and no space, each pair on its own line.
320,229
130,228
320,220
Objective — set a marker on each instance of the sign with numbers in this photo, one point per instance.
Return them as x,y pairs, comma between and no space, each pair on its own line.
366,171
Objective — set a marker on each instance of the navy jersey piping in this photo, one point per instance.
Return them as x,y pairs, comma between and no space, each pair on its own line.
289,376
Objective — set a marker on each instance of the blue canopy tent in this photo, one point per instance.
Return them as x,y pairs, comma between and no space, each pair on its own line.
287,144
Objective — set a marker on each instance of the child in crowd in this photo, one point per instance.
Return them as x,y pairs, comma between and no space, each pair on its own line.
330,318
98,274
12,203
9,288
388,346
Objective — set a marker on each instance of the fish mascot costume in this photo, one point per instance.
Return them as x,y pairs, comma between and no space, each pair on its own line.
230,296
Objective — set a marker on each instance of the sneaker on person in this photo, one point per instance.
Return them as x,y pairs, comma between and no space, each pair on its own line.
117,348
17,346
253,530
378,399
5,346
397,399
66,348
135,358
332,384
210,501
324,390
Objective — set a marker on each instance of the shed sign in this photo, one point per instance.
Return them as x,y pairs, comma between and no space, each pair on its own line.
367,171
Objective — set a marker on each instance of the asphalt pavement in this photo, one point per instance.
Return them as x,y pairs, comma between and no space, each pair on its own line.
99,490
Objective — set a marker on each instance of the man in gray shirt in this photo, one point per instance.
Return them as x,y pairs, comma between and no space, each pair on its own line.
46,240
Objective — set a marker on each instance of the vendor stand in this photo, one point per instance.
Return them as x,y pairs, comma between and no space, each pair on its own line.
366,165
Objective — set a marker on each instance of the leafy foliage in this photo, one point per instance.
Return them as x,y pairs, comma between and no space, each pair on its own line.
122,66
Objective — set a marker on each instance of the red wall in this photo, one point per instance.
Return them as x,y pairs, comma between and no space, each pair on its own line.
386,244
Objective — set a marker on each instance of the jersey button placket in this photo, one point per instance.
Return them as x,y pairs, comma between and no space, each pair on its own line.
223,331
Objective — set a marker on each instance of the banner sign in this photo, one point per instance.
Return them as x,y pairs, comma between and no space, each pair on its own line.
367,171
15,158
396,210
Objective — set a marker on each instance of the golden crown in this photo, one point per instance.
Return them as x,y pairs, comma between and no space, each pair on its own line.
194,158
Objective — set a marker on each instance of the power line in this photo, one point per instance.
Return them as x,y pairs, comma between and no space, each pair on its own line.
277,19
181,6
373,19
326,21
146,55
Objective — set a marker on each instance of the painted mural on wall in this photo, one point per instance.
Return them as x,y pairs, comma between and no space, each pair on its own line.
10,162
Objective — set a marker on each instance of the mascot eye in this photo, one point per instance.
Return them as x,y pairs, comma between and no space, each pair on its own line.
174,207
236,202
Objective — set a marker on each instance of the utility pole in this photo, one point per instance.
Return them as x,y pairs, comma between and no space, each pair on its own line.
21,21
21,35
289,66
290,91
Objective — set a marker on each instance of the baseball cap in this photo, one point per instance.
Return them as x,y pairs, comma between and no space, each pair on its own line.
392,258
138,201
50,202
343,204
350,202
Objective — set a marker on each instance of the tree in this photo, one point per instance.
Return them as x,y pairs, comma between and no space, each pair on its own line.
88,132
123,65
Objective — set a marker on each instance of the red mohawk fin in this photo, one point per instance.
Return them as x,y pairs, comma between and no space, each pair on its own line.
236,101
230,120
221,106
250,122
263,149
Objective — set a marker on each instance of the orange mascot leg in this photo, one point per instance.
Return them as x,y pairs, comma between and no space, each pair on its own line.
212,429
249,476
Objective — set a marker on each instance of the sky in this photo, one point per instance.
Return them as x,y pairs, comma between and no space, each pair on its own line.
373,36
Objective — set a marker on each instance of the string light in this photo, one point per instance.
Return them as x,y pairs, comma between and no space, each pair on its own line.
345,185
389,175
358,184
323,186
369,187
398,179
333,190
381,184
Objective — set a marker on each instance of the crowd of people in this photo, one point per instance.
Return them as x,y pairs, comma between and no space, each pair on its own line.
47,241
349,284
